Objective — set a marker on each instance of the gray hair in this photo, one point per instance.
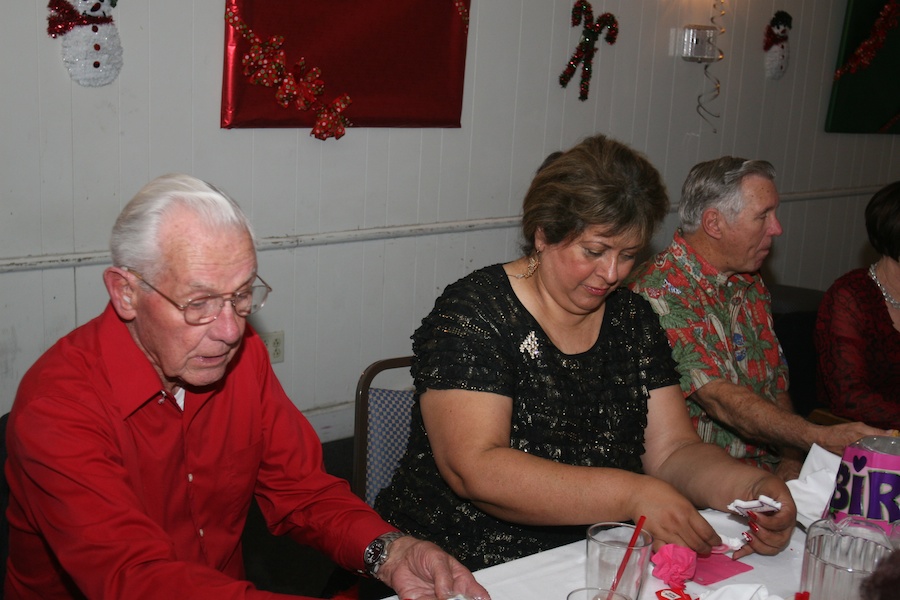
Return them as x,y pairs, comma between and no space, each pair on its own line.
717,184
135,240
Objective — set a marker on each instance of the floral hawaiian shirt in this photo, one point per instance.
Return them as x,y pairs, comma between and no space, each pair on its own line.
719,328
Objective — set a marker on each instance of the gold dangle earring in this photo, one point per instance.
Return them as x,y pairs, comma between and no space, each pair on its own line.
534,261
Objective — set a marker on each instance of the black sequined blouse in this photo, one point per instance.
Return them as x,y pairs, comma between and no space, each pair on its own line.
587,409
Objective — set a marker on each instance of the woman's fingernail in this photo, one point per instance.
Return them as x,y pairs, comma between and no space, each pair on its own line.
753,516
747,537
754,527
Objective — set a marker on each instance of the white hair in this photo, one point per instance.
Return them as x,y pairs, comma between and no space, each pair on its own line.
135,240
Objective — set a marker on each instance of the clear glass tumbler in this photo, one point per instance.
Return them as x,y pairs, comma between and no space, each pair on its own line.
593,593
609,557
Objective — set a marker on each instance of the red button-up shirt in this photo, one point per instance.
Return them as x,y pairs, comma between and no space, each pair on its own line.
115,492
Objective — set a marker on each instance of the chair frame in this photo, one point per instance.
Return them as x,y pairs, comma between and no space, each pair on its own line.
361,419
824,416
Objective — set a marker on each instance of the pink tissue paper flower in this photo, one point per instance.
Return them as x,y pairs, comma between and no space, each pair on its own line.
674,565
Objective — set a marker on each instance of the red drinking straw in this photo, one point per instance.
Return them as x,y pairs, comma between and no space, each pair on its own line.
621,571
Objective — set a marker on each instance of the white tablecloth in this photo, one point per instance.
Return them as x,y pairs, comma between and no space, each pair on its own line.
551,575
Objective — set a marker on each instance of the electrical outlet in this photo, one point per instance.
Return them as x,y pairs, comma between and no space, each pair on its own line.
274,341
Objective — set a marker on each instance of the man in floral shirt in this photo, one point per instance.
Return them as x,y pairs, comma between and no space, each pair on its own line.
715,308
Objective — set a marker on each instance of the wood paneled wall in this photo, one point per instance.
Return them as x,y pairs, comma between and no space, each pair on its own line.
431,204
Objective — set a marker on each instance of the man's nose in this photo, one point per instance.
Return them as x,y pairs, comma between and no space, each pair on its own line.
228,325
776,228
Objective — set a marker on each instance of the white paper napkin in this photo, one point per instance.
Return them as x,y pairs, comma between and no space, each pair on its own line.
740,591
813,488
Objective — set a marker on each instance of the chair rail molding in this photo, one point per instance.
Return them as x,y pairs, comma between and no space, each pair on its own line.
100,257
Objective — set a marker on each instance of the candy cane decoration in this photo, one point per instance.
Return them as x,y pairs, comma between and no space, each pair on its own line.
584,53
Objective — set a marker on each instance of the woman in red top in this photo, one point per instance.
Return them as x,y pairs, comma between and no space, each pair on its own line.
858,326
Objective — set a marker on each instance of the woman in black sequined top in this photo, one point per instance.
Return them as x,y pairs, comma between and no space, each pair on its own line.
547,398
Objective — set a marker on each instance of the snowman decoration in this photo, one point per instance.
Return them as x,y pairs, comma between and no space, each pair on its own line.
776,45
91,49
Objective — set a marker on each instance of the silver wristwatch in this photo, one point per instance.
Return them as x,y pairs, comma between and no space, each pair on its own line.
376,553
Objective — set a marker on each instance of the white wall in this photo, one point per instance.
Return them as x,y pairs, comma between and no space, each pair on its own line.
352,272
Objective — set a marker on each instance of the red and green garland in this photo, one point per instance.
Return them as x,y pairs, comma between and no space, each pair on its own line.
463,12
865,53
265,65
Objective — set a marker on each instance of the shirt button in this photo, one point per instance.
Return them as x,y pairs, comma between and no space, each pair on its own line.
161,400
201,532
190,477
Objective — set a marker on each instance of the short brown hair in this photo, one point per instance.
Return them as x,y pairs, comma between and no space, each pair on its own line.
600,181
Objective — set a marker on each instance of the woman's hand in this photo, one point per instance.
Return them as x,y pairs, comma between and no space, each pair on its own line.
770,533
671,518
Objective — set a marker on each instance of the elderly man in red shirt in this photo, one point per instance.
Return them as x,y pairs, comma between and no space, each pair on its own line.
137,441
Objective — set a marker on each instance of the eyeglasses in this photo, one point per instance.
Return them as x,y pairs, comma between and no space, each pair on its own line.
206,309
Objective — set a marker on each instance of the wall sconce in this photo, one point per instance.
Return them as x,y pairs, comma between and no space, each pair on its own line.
699,44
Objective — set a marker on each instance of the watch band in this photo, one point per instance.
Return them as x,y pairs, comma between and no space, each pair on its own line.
376,553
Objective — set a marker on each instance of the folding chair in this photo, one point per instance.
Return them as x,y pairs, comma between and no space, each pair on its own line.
381,429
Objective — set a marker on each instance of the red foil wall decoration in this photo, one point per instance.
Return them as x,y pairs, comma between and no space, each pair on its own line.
402,62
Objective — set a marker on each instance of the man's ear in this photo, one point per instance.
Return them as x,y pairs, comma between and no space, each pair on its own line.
711,221
121,288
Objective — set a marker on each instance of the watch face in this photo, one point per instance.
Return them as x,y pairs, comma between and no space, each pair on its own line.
374,552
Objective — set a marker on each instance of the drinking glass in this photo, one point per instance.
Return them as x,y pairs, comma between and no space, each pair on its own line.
594,593
607,548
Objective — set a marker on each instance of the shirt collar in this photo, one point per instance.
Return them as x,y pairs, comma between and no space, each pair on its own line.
133,379
708,277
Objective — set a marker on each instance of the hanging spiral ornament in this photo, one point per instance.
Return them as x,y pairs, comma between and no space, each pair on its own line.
708,96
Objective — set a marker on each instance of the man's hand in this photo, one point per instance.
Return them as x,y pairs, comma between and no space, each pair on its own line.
835,438
789,468
791,463
419,570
